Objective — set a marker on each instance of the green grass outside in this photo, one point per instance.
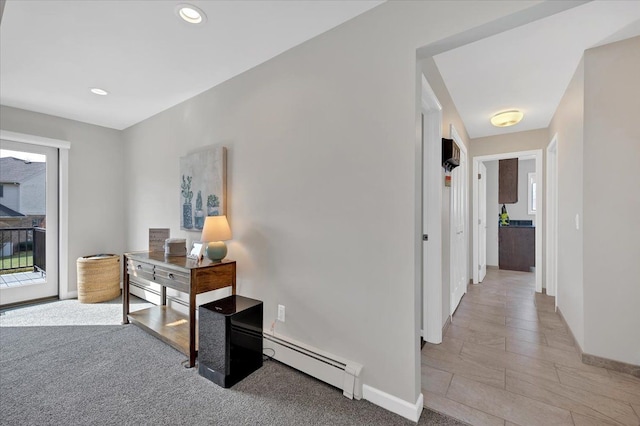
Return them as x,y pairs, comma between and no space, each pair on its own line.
23,260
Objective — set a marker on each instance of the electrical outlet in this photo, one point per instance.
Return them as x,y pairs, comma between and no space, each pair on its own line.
281,313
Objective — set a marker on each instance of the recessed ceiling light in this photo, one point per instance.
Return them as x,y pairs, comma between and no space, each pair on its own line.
99,91
191,14
507,118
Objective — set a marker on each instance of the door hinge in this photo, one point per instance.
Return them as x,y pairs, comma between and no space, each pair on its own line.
479,176
425,237
479,221
479,268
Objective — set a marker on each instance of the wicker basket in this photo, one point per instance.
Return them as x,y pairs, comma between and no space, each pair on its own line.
98,278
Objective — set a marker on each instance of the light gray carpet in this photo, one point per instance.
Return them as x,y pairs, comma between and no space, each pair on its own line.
115,374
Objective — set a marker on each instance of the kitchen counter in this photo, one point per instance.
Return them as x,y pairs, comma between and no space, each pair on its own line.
517,247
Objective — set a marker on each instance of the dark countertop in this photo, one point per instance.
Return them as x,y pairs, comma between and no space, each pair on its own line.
519,224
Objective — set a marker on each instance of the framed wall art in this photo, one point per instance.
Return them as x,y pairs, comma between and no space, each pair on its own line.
203,186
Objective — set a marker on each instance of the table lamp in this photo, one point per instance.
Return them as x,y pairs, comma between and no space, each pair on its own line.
215,231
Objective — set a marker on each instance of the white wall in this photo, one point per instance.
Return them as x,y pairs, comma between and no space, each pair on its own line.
96,217
520,210
493,210
321,179
568,124
612,201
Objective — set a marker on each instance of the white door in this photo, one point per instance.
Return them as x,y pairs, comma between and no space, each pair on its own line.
29,230
458,231
482,221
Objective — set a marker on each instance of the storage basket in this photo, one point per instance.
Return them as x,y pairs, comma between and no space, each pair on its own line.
98,278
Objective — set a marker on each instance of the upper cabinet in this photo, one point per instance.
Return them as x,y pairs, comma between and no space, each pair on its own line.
508,181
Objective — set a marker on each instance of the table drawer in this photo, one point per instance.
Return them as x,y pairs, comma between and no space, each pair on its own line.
140,270
172,279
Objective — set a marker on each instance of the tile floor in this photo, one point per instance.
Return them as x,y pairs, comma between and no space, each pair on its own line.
508,359
21,278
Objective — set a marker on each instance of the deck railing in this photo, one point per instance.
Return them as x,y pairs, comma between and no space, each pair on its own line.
22,248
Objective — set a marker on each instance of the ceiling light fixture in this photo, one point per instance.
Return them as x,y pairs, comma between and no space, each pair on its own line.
191,14
99,91
507,118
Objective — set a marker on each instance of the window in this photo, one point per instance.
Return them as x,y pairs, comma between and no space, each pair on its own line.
531,184
1,191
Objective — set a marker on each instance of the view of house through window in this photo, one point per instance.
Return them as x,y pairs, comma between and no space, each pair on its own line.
23,202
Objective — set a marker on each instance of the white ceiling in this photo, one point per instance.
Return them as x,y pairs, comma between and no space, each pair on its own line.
52,52
530,67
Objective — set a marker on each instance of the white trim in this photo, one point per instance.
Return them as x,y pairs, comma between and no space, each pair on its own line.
537,155
63,225
430,205
63,202
531,180
551,196
34,140
394,404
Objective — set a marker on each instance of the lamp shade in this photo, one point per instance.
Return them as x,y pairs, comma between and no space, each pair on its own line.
216,228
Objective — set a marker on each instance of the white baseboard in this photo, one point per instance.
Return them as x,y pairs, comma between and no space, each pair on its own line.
394,404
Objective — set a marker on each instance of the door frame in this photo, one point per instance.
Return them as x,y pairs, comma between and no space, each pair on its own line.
538,156
63,201
551,197
453,134
431,215
482,177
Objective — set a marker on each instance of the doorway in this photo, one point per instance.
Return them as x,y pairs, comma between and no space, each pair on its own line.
431,195
458,227
552,219
478,249
33,218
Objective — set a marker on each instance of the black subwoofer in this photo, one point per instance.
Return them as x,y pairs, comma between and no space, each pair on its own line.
230,339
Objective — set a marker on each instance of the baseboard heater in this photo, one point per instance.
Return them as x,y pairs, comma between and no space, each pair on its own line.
331,369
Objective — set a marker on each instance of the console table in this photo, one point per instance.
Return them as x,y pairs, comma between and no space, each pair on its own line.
179,273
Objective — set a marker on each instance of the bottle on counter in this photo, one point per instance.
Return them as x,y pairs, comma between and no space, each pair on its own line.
504,216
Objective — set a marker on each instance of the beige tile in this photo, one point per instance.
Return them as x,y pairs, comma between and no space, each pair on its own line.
449,344
524,324
456,364
500,359
474,307
478,337
483,316
547,353
502,330
609,386
521,292
636,408
530,313
560,341
521,304
459,411
627,378
493,301
580,420
509,406
575,400
537,325
434,380
486,289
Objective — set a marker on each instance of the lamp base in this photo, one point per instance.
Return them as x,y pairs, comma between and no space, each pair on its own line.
216,251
